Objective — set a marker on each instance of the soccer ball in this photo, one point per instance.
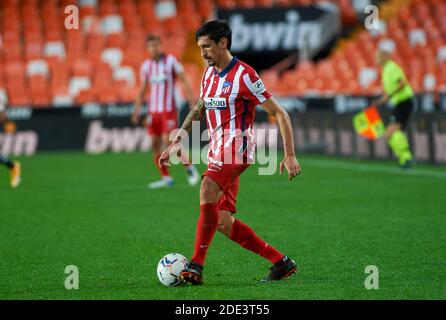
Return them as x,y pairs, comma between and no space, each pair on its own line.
169,269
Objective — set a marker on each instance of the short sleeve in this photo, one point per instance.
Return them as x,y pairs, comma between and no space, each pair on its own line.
177,66
144,71
255,88
2,101
399,75
204,77
396,73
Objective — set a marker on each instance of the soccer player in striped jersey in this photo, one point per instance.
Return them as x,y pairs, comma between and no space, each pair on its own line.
14,167
230,92
158,79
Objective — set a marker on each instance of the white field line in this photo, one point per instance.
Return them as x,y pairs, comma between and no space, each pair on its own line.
363,167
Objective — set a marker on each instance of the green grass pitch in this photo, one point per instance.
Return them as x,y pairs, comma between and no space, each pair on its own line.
335,219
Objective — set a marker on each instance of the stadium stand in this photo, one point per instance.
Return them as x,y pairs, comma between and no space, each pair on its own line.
42,63
416,31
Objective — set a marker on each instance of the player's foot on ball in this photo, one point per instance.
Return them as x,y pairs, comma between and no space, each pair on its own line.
281,270
165,182
15,174
192,176
193,273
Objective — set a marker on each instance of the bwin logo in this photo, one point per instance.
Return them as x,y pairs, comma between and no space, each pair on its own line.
265,36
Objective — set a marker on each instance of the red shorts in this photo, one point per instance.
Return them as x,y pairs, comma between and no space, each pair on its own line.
227,178
161,123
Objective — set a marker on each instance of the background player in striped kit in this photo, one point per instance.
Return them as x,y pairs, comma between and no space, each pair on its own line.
158,78
230,92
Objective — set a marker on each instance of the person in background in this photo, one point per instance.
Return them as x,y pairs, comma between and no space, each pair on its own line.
14,167
399,93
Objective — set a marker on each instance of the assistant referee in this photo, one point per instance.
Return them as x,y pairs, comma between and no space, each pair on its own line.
399,93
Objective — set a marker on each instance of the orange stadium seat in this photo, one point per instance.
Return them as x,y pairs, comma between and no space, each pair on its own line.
193,73
126,94
59,78
264,3
85,96
205,9
246,3
17,94
107,95
116,40
33,50
226,4
82,67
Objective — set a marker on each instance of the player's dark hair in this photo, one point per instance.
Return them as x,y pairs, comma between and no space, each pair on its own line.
153,37
215,30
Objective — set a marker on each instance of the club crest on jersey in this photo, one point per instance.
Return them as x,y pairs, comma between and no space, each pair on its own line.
215,103
226,87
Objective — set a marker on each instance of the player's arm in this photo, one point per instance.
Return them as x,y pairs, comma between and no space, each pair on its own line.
289,162
187,89
138,102
3,117
401,84
386,97
196,114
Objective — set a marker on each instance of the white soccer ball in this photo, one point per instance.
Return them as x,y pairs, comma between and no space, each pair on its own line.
169,269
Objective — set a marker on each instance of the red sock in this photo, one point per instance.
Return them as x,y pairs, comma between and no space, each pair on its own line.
164,171
247,238
206,227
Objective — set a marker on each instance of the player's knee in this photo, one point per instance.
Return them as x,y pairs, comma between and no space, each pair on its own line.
165,140
209,192
156,144
224,228
225,221
208,195
391,130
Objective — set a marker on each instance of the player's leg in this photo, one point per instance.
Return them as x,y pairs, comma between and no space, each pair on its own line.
207,223
166,179
399,144
171,123
155,130
246,237
14,170
192,174
396,137
6,162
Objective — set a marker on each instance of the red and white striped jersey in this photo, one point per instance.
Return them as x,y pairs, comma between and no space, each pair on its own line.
230,99
160,76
